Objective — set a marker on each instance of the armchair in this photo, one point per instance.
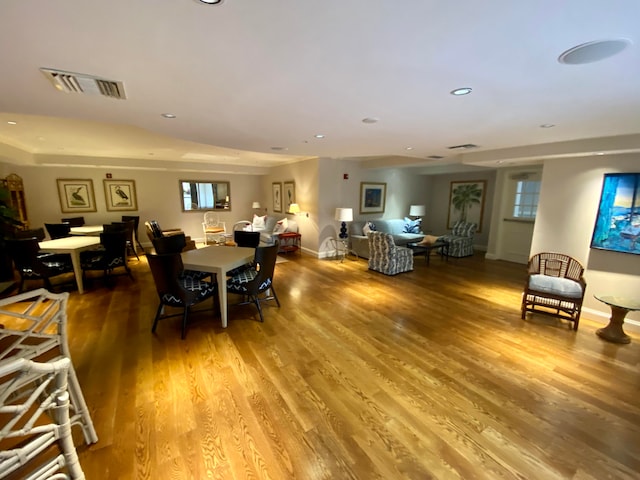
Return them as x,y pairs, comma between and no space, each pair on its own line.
555,284
385,257
461,239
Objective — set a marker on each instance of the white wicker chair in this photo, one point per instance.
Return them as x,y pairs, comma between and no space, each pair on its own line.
34,327
213,228
34,421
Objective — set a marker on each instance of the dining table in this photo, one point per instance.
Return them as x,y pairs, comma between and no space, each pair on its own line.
218,260
73,246
94,230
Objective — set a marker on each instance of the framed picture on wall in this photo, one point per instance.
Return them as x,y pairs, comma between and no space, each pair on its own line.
76,195
289,195
466,202
120,195
617,225
276,188
372,197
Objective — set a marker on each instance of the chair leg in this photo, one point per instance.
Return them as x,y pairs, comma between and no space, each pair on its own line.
155,321
256,300
275,297
184,323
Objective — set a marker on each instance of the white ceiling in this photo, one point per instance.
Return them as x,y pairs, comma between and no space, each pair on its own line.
252,81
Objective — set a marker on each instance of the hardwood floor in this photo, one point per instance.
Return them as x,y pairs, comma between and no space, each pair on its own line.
429,374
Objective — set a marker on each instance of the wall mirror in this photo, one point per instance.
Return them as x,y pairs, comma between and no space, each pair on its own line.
197,195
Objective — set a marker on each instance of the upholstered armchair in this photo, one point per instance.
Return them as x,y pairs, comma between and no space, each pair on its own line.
461,239
386,257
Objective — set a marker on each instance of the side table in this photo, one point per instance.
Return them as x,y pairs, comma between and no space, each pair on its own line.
290,242
620,306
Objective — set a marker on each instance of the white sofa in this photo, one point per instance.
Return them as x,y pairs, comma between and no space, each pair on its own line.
270,227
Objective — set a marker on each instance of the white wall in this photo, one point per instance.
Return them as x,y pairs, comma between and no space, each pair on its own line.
305,175
510,240
566,216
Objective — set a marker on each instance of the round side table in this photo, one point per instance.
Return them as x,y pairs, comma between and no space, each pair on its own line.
620,306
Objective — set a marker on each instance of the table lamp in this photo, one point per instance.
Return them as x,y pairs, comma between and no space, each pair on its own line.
344,215
294,208
417,210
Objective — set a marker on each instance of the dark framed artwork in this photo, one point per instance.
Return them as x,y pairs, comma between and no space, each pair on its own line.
120,195
76,195
289,195
466,202
276,188
617,225
372,197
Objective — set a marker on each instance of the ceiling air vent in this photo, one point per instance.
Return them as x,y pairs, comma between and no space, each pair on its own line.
435,157
466,146
70,82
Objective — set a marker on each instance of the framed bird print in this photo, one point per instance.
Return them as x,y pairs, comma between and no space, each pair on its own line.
120,195
76,195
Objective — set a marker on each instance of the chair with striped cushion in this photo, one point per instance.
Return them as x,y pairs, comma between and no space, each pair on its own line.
176,289
386,257
461,239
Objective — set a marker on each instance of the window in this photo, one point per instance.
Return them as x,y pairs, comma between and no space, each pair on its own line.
525,204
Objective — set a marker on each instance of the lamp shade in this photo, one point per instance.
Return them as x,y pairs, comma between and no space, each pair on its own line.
417,210
255,205
344,214
294,208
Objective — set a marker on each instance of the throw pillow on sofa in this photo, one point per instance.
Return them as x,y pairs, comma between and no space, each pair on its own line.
259,222
368,227
281,226
411,226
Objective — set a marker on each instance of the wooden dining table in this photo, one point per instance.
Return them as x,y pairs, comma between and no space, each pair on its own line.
218,260
73,246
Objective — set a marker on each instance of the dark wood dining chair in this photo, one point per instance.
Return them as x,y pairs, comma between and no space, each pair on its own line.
58,230
73,221
31,265
176,289
256,283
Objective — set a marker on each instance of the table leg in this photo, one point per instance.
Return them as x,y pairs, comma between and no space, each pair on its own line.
77,270
613,332
221,278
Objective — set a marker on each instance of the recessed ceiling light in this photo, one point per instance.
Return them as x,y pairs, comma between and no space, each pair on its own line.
168,115
319,135
461,91
547,125
370,120
11,122
593,51
211,2
408,148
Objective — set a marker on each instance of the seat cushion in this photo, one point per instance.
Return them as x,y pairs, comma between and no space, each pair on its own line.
555,286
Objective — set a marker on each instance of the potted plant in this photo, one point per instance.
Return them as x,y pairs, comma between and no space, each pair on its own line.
9,220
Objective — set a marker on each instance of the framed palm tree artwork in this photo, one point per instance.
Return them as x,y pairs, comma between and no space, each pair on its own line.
466,202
